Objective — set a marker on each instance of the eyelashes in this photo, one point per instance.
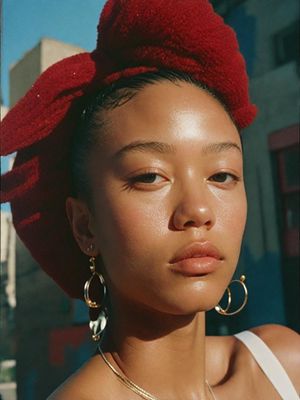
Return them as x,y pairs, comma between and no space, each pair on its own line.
222,177
144,181
147,178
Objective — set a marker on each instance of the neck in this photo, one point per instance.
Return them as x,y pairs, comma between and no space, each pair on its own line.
164,354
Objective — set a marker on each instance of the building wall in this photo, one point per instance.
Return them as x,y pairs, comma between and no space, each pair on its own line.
49,346
7,309
53,51
274,89
24,73
8,284
273,16
3,111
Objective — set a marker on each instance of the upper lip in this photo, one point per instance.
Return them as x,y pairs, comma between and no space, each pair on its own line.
197,250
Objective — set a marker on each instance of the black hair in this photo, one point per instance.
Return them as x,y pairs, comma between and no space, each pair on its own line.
92,120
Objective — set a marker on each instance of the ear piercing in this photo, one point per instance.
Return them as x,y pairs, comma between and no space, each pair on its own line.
90,248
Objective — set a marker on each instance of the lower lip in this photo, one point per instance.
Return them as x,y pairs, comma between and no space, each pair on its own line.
196,266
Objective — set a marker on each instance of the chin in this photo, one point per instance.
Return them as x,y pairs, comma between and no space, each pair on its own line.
193,309
189,306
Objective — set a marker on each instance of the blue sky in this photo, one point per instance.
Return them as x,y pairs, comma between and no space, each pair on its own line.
25,22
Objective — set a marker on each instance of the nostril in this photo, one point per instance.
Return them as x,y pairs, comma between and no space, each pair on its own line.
190,223
208,223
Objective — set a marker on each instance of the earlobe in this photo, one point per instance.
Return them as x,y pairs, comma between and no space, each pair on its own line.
79,217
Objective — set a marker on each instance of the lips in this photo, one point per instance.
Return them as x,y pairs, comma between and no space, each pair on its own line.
196,259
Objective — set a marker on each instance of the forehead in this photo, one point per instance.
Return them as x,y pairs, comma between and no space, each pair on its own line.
170,112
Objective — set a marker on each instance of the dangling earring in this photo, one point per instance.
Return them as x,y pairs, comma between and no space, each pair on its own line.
96,326
224,311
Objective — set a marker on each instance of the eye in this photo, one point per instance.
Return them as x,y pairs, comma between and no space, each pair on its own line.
224,177
147,178
146,181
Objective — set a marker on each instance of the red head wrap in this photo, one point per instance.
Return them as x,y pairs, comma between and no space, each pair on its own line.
134,36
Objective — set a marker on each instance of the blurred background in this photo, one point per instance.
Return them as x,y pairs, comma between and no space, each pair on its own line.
44,334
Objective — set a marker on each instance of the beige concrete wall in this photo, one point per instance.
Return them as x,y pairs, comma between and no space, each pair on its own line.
5,227
53,51
3,112
24,73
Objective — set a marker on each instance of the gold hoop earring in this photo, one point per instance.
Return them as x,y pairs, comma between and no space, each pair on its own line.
98,325
224,311
95,274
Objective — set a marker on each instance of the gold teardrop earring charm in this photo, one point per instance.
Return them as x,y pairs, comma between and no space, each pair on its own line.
224,311
97,325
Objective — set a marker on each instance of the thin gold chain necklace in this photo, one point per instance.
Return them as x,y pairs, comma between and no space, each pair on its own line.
134,387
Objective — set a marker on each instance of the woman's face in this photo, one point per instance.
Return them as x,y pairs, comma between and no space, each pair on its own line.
168,185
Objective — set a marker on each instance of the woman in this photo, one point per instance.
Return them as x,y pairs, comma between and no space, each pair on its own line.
130,158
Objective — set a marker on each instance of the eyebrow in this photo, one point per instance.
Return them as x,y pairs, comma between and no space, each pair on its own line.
218,147
166,148
154,147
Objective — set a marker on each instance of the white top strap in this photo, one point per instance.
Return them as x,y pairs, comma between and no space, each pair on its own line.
269,364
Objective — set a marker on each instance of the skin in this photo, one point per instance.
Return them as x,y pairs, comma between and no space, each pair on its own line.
149,201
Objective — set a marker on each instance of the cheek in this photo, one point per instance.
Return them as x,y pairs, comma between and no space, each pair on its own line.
128,228
133,240
231,218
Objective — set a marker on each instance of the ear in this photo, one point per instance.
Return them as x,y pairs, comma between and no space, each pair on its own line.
81,221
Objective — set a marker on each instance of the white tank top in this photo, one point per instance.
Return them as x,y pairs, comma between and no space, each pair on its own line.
269,364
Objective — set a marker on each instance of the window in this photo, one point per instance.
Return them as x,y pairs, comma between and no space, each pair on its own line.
284,146
225,6
286,160
286,44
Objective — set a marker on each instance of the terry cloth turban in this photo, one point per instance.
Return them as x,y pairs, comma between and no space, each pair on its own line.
134,36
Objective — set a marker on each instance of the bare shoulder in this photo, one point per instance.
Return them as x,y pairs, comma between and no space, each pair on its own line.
89,382
285,344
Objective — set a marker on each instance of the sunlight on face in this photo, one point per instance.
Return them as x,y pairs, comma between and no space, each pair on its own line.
169,174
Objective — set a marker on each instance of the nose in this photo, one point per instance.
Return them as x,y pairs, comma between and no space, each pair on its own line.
194,210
